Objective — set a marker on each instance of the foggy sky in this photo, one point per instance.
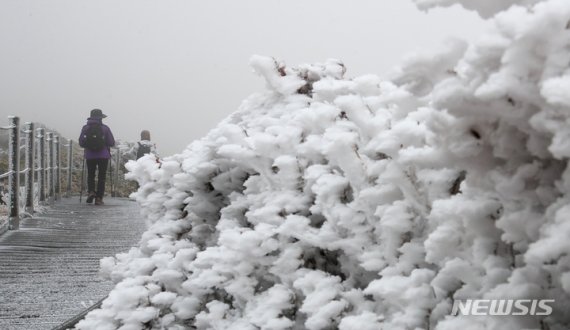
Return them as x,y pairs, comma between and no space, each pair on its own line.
177,67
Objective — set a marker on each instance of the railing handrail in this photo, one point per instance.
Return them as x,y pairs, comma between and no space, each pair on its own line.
35,170
5,175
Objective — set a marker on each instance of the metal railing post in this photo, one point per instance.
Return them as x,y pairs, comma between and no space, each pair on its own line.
30,168
57,168
69,167
50,187
42,165
14,170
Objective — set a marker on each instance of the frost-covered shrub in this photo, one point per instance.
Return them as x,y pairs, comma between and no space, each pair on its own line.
334,203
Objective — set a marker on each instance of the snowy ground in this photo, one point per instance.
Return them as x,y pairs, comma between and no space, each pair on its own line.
50,265
336,203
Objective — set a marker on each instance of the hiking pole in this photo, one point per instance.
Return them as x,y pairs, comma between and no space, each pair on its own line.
82,179
110,172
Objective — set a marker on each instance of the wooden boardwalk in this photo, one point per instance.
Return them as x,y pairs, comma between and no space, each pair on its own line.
49,268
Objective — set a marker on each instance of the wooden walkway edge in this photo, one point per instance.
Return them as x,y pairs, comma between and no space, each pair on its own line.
49,268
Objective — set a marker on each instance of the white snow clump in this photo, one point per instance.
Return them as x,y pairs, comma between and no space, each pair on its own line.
335,203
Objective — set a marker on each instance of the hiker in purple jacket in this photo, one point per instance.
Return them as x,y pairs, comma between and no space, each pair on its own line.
97,139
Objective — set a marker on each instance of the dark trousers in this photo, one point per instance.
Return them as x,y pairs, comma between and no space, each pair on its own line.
100,166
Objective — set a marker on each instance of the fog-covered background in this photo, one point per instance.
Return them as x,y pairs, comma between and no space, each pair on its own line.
177,67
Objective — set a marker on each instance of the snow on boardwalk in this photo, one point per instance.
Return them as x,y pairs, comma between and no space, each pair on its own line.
49,268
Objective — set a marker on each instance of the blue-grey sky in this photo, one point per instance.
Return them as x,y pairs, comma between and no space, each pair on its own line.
177,67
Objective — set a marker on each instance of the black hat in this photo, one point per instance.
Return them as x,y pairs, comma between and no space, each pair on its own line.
97,113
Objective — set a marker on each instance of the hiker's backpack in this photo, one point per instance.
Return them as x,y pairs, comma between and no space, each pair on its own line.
94,138
143,150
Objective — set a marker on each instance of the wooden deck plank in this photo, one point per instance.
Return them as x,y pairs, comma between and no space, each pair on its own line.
49,268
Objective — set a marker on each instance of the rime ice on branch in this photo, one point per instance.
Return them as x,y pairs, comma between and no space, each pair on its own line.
327,202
